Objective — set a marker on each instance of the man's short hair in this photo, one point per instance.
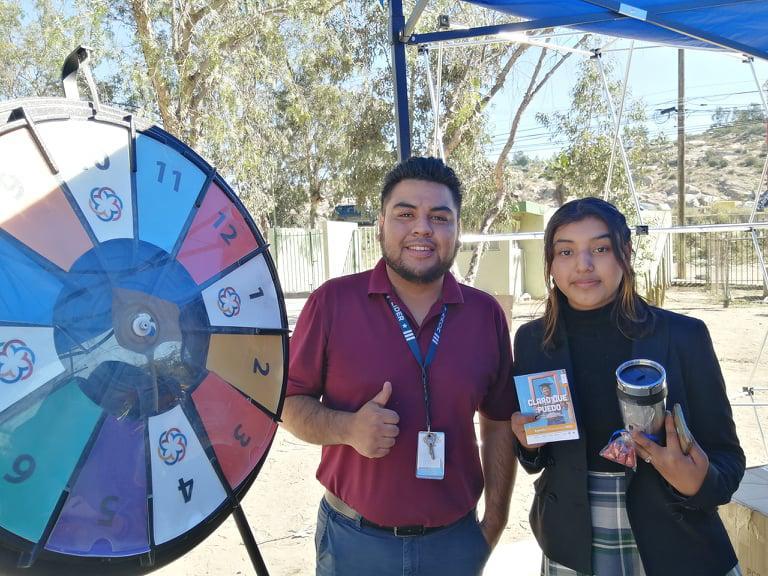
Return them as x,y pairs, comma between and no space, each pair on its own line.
420,168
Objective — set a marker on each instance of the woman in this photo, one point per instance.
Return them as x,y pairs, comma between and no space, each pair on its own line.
591,515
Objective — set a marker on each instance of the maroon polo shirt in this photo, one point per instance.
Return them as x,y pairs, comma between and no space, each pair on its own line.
347,344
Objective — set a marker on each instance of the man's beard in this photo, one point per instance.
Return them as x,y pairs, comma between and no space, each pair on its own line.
418,276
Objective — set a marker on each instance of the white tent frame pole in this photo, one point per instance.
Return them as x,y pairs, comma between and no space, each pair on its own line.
598,59
765,338
746,227
758,190
760,257
751,62
759,252
438,91
609,178
414,18
749,387
430,86
508,38
437,136
757,361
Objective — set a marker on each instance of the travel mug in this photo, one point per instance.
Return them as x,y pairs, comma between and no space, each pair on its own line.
642,390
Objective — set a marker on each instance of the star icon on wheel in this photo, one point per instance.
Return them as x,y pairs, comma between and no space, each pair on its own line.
17,361
106,204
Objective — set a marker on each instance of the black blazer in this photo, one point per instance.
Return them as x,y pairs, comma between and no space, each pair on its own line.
675,535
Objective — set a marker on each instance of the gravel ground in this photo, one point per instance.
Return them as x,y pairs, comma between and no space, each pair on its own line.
282,504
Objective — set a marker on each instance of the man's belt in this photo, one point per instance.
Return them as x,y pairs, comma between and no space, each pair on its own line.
346,510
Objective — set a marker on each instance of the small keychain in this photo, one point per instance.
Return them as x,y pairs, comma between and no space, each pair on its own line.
430,440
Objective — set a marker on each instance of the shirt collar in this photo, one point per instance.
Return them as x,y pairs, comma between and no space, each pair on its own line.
379,284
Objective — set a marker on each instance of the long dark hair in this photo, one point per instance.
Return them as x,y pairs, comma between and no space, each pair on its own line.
631,313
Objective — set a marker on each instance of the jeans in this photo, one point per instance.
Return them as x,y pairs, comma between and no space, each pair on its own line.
345,548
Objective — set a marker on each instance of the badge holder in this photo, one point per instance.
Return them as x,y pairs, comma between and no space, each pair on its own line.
430,456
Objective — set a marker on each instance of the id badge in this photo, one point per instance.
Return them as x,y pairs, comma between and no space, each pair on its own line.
430,456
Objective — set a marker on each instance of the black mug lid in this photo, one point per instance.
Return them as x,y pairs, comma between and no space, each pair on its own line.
641,377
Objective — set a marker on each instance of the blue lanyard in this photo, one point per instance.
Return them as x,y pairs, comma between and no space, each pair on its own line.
413,344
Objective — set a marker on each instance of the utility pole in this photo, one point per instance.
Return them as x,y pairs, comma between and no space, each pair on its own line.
680,161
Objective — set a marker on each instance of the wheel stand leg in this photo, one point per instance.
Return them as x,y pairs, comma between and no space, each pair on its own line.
249,541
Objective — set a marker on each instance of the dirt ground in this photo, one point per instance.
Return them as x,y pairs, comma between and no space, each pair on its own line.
282,504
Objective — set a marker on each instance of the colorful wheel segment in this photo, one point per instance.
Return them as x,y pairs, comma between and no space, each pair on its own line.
143,340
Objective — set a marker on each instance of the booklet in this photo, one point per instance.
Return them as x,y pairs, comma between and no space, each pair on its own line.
547,394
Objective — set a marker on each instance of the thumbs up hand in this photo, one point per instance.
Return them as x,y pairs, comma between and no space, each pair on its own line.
374,427
383,396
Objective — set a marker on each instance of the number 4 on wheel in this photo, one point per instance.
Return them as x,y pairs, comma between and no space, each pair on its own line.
185,487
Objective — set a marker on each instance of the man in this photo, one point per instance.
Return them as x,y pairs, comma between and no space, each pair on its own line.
387,370
555,416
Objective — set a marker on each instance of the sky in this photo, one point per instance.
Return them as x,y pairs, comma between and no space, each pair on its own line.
712,79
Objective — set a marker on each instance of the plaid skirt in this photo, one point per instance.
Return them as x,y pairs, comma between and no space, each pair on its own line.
614,550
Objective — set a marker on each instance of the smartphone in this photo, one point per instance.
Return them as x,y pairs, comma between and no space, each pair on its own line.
683,433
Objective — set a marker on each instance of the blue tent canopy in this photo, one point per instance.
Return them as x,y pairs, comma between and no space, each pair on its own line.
735,25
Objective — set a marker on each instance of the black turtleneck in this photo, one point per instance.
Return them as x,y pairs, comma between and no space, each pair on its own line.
597,348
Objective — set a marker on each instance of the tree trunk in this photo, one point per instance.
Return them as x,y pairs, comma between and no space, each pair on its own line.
502,193
480,107
152,58
560,191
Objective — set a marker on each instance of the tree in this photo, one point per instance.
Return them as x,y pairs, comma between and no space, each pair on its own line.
501,182
471,78
587,130
214,73
276,95
34,41
330,106
291,100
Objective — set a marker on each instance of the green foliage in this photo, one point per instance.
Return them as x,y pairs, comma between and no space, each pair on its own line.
713,159
35,37
740,122
587,133
476,172
471,77
520,159
291,100
751,161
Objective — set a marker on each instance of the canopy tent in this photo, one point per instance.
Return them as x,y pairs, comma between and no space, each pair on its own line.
734,25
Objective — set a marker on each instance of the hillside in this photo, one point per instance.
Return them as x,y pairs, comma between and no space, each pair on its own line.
723,163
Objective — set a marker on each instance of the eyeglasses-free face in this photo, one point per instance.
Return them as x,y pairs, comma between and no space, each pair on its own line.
584,267
419,230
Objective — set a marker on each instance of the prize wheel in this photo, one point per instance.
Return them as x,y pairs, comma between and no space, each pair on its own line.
143,342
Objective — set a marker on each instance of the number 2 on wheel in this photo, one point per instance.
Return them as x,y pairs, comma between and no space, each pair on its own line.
258,368
228,236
